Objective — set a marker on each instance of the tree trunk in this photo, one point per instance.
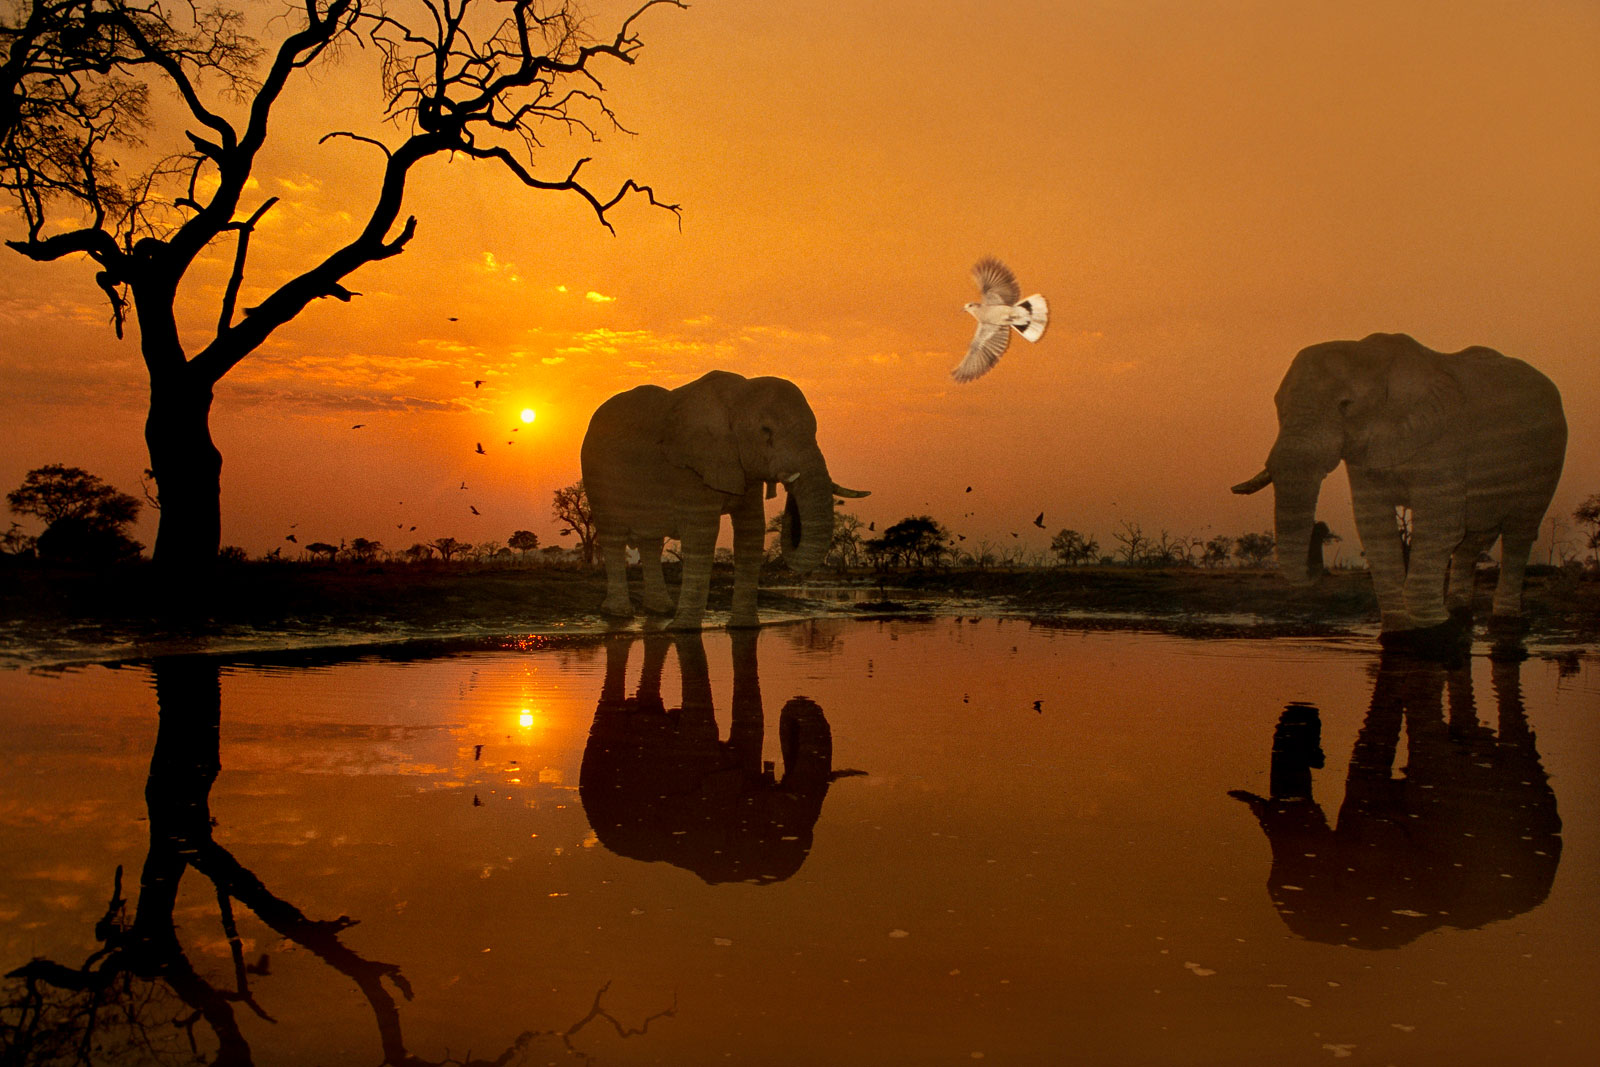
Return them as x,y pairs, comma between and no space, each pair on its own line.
188,473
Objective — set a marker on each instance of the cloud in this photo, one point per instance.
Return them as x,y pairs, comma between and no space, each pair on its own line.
598,298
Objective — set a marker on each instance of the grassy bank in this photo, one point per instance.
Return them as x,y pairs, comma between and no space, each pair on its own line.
39,604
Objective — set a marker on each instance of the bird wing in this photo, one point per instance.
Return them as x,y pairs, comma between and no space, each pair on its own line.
996,282
984,351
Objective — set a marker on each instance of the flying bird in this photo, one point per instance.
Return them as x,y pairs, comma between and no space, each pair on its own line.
292,537
358,426
1039,520
474,510
969,488
477,382
481,452
998,313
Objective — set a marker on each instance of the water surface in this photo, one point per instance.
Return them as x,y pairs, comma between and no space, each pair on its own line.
835,842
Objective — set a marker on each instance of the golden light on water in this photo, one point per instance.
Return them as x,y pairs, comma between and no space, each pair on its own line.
525,718
528,414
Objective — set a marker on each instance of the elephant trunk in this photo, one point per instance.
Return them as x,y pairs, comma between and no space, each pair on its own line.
807,519
1295,515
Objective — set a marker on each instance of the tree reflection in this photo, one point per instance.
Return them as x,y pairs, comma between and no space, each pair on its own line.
1468,835
138,998
660,784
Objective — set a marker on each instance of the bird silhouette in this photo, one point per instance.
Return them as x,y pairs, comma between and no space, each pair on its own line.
358,426
481,452
872,527
1039,520
998,313
454,319
463,485
292,537
474,510
969,488
412,530
510,442
477,382
1038,705
961,537
1013,533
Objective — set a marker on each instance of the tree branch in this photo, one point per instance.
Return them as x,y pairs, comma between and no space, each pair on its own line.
236,279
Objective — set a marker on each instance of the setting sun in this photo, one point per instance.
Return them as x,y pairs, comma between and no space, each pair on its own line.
528,414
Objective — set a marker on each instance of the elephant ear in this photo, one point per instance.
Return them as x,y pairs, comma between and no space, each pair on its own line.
1423,400
699,435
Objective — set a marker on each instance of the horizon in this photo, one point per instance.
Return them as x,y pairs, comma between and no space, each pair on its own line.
1198,193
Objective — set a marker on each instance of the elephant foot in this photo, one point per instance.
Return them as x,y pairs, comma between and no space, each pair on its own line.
1461,615
1445,642
661,604
1505,635
1507,625
682,623
617,607
743,620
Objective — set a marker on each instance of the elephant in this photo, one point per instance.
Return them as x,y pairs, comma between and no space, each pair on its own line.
658,784
1469,836
661,463
1472,442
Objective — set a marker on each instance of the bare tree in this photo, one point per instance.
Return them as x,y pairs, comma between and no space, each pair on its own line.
1135,544
475,79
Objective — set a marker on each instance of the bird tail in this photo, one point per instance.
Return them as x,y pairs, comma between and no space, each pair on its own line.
1038,316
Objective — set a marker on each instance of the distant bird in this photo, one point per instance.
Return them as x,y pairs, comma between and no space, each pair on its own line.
1039,520
969,488
1013,533
477,752
961,537
454,319
474,510
477,382
358,426
998,313
1038,705
872,527
412,530
481,452
463,485
292,525
291,537
514,429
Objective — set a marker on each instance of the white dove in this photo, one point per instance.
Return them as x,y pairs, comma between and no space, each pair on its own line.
998,313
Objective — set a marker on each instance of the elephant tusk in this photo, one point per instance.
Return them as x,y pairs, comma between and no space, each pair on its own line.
839,490
789,479
1256,484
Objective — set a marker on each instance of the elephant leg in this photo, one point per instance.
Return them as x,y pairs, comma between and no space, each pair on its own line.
656,599
614,547
697,544
749,533
1438,528
1380,542
1516,545
1463,575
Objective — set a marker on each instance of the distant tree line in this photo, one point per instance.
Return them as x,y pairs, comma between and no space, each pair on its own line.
86,522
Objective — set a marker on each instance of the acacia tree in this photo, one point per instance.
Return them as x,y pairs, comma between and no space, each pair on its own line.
571,507
479,79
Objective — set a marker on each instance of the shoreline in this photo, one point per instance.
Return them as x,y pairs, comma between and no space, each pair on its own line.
61,619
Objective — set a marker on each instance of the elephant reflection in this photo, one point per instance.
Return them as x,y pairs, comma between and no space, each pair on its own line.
1468,836
660,784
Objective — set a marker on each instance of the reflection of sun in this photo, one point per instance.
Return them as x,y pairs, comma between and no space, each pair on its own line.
528,414
525,718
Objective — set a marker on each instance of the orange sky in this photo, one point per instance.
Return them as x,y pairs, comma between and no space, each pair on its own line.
1199,189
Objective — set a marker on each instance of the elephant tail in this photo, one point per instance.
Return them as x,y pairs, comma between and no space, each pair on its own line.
1038,317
